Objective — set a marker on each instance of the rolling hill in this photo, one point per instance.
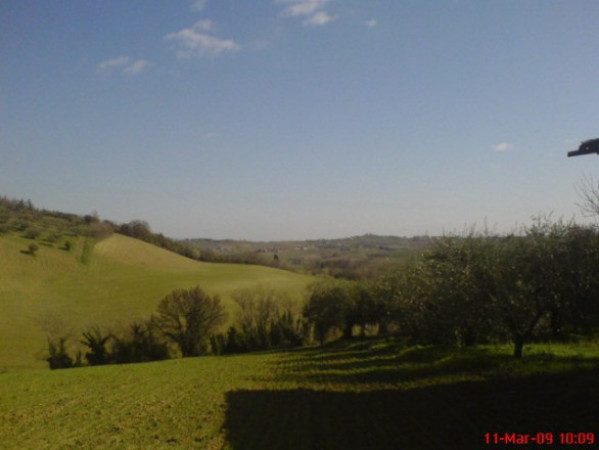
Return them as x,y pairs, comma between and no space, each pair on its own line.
103,283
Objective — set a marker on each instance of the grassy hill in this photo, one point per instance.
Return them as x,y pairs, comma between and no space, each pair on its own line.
358,395
105,283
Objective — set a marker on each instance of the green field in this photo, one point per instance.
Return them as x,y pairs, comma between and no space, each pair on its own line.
362,395
107,284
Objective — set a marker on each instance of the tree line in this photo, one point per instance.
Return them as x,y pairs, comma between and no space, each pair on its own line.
187,323
539,284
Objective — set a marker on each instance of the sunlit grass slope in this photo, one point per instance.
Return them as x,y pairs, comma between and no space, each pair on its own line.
106,284
361,395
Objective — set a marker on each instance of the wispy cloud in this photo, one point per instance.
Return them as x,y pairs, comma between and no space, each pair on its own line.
194,41
204,25
317,20
371,23
199,5
503,147
113,63
302,7
311,10
123,64
136,67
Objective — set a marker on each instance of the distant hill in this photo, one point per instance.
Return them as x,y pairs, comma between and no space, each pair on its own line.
352,258
105,282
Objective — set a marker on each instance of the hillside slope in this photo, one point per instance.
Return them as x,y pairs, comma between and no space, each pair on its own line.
116,280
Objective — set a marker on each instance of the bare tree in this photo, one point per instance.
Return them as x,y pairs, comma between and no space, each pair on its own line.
588,191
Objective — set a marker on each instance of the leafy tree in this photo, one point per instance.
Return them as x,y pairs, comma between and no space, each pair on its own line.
138,229
188,317
458,285
327,309
549,282
366,308
540,283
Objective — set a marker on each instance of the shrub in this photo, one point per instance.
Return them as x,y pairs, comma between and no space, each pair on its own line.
58,357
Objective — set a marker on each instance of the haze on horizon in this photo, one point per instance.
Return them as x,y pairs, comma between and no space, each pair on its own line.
299,119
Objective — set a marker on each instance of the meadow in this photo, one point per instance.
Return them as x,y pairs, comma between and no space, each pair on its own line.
347,395
106,283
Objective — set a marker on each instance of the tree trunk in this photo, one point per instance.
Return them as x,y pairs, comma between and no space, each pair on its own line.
348,331
518,346
383,328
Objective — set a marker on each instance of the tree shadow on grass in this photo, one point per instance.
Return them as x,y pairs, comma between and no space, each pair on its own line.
421,363
450,416
398,367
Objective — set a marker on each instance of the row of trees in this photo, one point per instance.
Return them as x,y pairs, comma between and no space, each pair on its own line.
183,323
538,284
186,324
49,227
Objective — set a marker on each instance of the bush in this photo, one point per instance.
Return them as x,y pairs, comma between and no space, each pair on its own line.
31,233
58,357
140,343
97,342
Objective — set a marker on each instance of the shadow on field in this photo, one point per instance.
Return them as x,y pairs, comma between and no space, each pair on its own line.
421,363
385,367
450,416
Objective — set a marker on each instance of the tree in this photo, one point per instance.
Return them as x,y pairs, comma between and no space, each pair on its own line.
97,342
138,229
328,308
139,343
188,317
537,284
58,336
366,307
588,191
58,357
259,310
458,285
266,320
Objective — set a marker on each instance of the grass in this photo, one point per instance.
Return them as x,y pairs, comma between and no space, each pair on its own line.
110,283
357,395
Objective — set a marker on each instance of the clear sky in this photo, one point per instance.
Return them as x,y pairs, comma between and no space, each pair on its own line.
298,119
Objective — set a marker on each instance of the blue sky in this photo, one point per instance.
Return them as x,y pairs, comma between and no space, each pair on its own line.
297,119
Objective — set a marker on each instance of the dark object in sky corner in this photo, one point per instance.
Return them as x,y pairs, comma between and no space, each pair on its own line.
586,148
